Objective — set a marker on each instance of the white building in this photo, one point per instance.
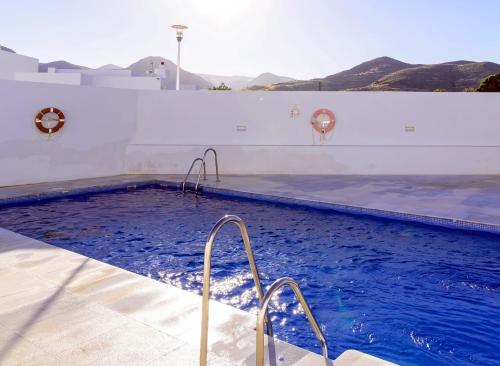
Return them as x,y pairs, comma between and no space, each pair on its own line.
102,77
11,62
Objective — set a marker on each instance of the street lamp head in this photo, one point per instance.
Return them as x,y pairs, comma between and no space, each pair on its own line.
179,28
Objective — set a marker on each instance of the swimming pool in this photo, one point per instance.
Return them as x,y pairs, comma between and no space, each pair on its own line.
411,294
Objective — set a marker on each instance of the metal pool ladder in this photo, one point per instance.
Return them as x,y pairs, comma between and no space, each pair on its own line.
204,167
191,168
206,279
262,315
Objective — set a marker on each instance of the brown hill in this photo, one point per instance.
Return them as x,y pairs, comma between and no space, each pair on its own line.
366,73
451,76
385,73
359,76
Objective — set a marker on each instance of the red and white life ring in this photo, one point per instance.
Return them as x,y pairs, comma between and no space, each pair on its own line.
46,116
323,120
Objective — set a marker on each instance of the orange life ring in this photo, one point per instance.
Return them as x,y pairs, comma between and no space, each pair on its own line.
49,130
324,124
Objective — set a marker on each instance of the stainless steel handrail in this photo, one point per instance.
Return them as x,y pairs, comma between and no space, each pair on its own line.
191,168
204,164
216,162
206,279
285,281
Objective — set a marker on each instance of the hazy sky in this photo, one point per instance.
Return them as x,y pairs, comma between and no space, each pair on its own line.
298,38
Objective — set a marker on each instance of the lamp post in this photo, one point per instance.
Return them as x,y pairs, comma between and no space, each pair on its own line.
179,29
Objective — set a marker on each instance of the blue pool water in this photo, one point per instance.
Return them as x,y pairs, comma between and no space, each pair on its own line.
411,294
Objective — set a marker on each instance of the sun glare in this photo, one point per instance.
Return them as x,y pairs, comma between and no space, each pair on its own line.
223,12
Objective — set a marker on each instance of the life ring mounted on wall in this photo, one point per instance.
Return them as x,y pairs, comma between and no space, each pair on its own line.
49,120
323,121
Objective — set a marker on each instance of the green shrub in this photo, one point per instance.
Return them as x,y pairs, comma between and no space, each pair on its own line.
490,84
222,86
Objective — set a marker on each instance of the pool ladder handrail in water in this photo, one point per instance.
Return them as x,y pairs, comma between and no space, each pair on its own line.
263,314
206,279
204,167
190,169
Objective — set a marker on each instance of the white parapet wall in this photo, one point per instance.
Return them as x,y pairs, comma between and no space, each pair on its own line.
126,82
99,125
375,132
115,131
48,77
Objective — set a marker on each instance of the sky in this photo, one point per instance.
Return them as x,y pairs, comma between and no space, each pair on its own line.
298,38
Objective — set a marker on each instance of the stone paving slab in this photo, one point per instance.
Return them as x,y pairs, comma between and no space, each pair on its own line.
61,308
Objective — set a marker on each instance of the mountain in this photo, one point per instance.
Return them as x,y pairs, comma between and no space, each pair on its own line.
43,67
6,49
268,78
359,76
110,67
450,76
143,66
388,74
365,73
235,82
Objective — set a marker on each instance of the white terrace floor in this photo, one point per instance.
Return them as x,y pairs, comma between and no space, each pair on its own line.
61,308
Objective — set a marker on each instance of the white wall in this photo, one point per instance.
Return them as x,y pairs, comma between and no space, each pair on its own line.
455,133
125,82
12,62
75,77
115,131
101,72
99,125
49,77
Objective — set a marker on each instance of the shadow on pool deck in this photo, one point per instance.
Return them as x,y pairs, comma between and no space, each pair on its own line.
10,344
